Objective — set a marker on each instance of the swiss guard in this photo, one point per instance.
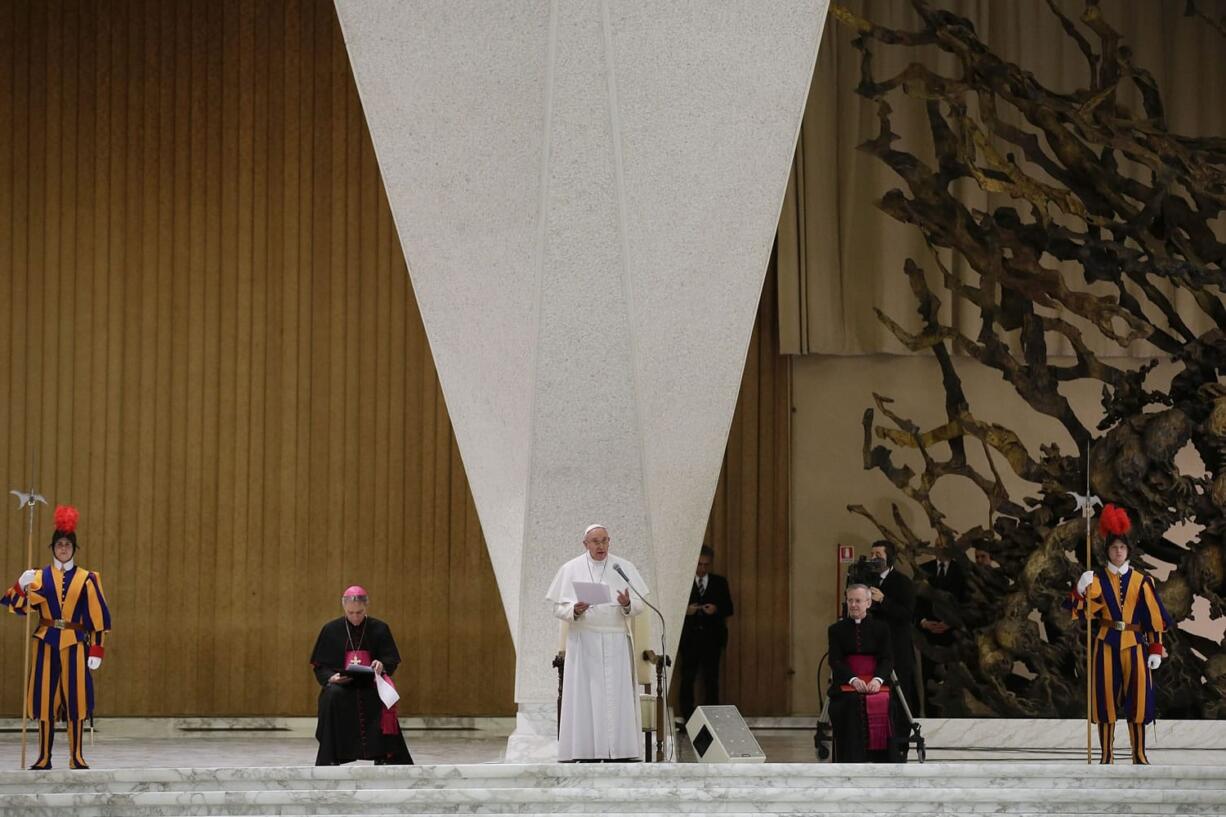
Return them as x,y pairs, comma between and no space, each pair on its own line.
72,618
1128,622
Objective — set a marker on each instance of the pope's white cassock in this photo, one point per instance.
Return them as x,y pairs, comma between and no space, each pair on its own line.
600,703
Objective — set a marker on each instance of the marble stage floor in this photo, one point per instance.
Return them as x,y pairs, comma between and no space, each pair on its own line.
196,743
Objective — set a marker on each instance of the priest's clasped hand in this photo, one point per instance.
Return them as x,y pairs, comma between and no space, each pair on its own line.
581,608
870,688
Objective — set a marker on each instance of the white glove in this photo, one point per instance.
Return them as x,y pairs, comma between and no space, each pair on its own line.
1086,579
1154,661
27,578
93,662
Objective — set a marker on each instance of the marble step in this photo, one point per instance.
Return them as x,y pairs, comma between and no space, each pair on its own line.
935,788
494,812
1052,776
637,799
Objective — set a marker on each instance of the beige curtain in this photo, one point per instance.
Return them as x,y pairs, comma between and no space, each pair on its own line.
840,257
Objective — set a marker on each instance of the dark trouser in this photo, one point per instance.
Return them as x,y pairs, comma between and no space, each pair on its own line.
700,660
849,728
934,677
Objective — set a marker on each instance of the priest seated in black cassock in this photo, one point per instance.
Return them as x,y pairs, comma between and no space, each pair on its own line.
860,663
354,658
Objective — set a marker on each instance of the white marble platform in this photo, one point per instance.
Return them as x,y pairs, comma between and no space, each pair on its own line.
477,727
133,743
969,788
167,767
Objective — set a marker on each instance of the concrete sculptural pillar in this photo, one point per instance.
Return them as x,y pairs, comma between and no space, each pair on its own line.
586,193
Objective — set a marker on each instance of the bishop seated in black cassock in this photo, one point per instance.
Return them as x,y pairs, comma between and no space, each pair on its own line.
353,722
860,663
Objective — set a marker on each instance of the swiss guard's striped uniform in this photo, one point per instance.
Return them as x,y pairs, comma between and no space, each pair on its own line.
1128,622
72,620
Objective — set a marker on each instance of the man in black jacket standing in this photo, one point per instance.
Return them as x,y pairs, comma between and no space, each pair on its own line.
704,634
894,603
944,575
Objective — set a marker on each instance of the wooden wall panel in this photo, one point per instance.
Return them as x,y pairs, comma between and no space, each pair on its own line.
211,344
209,341
749,528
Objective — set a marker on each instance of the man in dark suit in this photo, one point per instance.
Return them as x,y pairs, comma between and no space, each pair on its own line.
704,634
894,603
860,664
944,576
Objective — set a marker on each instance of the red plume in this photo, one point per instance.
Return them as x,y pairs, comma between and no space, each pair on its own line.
66,518
1114,521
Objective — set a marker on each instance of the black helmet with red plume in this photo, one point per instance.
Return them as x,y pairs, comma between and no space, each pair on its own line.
66,518
1113,524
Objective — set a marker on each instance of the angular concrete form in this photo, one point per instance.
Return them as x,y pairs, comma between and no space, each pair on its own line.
586,193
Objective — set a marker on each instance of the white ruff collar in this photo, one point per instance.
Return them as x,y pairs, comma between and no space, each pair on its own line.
1119,571
63,567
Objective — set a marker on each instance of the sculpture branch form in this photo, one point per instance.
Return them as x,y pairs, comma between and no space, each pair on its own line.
1107,238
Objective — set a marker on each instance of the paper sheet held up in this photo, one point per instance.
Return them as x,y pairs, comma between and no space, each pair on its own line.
593,593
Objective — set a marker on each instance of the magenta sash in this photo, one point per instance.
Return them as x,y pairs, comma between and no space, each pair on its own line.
862,665
389,720
877,705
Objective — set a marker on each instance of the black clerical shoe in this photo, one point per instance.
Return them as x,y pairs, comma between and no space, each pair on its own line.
78,765
38,768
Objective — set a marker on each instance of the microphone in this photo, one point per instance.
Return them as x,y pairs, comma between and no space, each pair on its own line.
618,570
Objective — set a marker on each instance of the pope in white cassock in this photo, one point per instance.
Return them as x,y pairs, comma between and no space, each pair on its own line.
600,704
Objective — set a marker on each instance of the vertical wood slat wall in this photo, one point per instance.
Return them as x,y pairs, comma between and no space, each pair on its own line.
210,342
749,529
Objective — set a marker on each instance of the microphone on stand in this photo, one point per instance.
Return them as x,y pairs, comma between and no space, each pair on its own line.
618,570
663,649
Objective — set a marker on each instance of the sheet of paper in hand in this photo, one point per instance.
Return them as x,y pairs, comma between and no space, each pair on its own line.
593,593
387,693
